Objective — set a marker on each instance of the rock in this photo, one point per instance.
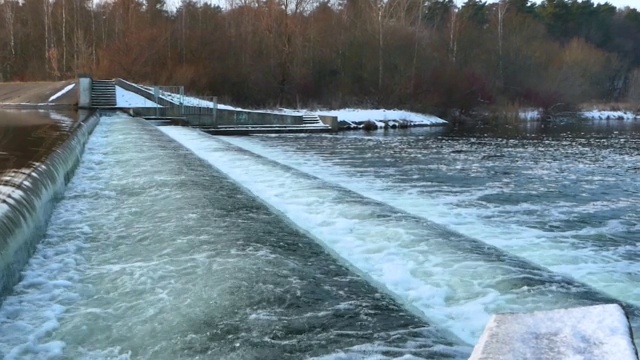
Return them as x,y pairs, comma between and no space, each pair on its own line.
369,125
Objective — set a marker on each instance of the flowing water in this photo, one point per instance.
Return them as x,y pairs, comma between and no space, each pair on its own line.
154,254
384,245
38,153
367,201
564,196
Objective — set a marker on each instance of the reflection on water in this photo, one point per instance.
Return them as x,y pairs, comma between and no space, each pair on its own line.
574,128
27,137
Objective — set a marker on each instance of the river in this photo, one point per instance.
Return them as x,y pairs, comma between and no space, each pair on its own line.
377,245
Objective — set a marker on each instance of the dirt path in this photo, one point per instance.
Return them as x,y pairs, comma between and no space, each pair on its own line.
36,92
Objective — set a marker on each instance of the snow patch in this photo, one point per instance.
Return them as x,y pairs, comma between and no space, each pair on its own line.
353,117
62,92
362,115
530,114
128,99
609,115
380,117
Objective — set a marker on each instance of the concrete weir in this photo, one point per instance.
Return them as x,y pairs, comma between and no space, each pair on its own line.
27,197
29,189
178,109
599,332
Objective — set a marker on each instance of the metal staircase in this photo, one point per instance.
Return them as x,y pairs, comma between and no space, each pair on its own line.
103,94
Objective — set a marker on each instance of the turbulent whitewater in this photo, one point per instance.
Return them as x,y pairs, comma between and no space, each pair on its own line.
566,202
154,254
454,280
171,243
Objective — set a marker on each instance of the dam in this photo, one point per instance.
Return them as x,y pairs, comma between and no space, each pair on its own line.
164,242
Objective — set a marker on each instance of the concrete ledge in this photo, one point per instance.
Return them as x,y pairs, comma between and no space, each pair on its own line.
599,332
267,130
201,117
30,199
84,91
331,121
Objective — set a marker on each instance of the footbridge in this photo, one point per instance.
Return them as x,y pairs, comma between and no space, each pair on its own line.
170,104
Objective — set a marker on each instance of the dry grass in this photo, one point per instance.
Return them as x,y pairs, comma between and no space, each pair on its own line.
507,113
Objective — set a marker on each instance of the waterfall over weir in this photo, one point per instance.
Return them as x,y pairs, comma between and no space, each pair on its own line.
154,254
453,280
203,248
32,176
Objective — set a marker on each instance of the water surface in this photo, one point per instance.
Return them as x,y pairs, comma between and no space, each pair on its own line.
154,254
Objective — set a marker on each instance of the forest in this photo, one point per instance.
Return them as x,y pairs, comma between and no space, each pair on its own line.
424,55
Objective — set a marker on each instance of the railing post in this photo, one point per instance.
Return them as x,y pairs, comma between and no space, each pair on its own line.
156,96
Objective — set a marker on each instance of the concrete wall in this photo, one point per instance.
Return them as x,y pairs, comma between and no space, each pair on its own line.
220,117
236,117
84,91
332,121
26,215
144,93
200,116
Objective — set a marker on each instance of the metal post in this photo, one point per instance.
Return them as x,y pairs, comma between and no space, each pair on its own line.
182,100
156,96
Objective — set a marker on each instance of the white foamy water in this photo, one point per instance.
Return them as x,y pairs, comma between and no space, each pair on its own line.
527,229
152,254
454,281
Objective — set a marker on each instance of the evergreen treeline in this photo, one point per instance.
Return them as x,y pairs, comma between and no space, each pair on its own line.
428,56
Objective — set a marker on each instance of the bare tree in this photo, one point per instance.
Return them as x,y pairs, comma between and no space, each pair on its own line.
8,12
502,10
453,33
64,35
418,26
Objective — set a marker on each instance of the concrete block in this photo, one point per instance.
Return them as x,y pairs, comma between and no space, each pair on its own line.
332,121
84,91
599,332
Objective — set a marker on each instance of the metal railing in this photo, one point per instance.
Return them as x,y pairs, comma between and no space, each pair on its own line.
197,110
201,110
173,94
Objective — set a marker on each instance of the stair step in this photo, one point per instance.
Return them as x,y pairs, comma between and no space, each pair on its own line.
311,119
103,93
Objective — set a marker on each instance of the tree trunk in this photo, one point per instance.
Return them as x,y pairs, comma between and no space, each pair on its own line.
45,4
415,48
64,36
502,9
380,48
453,35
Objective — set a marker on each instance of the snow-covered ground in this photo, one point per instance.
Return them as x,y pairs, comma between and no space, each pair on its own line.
609,115
128,99
536,114
530,114
351,117
381,117
356,118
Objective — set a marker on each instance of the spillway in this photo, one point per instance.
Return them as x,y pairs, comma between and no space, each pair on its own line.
40,154
452,280
154,254
285,247
567,202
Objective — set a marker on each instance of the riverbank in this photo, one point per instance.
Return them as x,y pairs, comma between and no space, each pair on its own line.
38,95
